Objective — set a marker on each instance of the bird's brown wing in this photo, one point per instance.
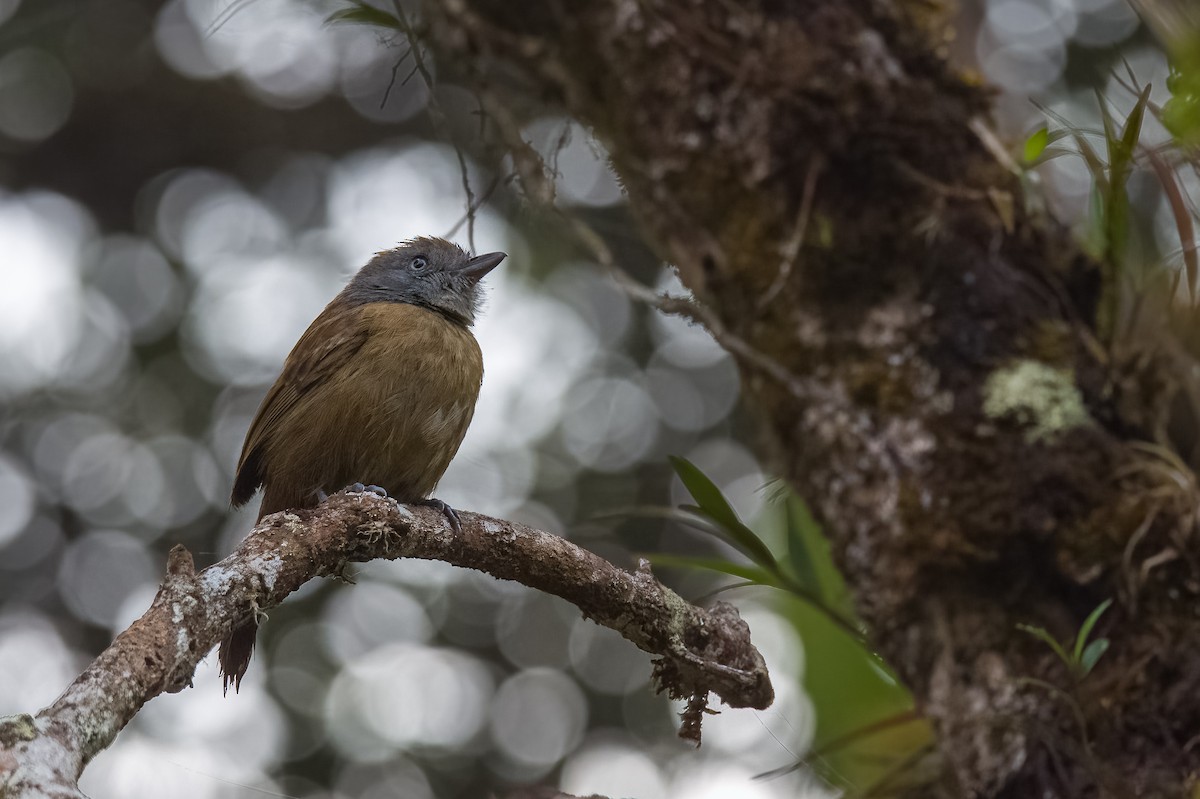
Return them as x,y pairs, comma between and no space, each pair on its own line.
333,337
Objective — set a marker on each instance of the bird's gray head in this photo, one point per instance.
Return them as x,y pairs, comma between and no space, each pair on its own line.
427,271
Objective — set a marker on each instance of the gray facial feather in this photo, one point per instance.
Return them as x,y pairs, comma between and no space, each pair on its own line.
440,285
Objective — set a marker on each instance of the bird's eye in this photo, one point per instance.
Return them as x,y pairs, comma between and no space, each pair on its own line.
418,263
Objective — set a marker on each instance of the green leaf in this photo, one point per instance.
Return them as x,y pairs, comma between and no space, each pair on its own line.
1041,634
1085,629
743,570
713,505
1091,655
363,13
804,539
1035,145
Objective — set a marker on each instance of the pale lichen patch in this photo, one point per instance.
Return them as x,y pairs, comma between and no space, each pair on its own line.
269,567
1043,397
216,580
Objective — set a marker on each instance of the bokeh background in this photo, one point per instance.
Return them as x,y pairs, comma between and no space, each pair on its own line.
183,185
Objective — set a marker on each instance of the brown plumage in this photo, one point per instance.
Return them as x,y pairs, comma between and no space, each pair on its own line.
379,390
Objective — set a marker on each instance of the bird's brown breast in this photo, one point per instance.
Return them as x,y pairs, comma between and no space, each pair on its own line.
380,394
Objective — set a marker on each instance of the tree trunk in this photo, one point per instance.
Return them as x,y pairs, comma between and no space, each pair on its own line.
924,353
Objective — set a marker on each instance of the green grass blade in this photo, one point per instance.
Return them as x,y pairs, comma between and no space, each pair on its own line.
362,13
803,538
745,571
711,503
1085,629
1041,634
1091,655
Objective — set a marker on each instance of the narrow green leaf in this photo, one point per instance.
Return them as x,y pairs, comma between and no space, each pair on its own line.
1085,629
678,515
362,13
713,505
1041,634
706,493
1091,655
803,534
743,570
1133,125
1035,145
739,535
1094,164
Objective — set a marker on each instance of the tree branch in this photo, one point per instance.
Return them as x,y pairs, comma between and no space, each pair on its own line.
698,651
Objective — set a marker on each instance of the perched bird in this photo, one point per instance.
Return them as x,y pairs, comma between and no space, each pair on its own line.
379,390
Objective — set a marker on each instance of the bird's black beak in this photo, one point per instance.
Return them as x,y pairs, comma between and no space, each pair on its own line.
480,265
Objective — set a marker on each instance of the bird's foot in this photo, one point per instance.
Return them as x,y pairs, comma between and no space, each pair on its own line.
359,488
320,495
446,510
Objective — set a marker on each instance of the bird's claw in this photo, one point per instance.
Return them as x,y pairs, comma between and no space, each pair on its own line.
447,511
359,488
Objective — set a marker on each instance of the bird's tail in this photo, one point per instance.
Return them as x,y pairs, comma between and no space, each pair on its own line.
234,654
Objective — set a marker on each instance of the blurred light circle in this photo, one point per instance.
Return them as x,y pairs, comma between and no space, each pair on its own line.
299,689
538,717
240,329
1035,24
380,197
181,45
718,780
378,82
1024,69
139,767
289,60
17,498
41,538
679,403
402,696
248,735
228,222
533,628
296,189
534,350
605,661
172,480
133,607
175,197
136,278
371,615
612,769
103,348
762,739
7,9
580,164
99,571
491,482
398,778
35,94
57,441
41,306
595,297
611,423
35,664
96,471
1106,23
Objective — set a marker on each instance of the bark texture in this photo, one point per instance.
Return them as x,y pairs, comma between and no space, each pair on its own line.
42,756
923,352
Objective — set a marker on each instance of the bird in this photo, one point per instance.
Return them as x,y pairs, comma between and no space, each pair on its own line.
378,391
